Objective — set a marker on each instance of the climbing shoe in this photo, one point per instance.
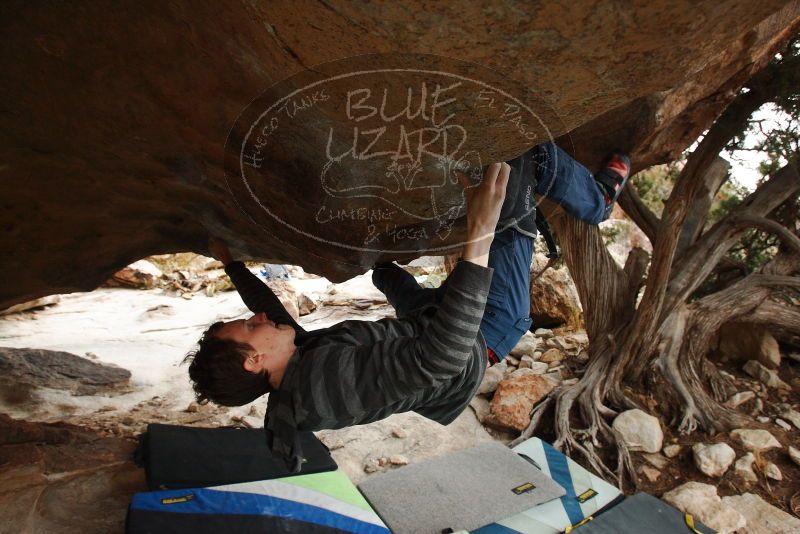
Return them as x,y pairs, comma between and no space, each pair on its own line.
613,177
518,210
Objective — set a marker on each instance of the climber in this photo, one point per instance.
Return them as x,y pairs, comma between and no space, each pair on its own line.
431,359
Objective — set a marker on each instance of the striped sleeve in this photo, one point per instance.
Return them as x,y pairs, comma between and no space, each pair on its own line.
350,382
257,295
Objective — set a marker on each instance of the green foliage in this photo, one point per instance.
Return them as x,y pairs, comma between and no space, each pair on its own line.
654,185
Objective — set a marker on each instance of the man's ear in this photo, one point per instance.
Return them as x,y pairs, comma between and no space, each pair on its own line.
254,363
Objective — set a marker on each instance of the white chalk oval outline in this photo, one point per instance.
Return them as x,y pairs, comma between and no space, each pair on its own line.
361,73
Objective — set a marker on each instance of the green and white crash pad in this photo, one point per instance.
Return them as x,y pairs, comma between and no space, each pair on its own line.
317,503
586,494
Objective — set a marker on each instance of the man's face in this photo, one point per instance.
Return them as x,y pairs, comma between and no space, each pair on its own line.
259,332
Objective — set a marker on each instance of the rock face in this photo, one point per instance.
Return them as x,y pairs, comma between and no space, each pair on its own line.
713,460
62,479
639,430
702,501
514,398
122,115
32,368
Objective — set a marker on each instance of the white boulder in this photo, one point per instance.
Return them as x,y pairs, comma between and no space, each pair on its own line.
639,430
754,439
713,460
762,517
702,502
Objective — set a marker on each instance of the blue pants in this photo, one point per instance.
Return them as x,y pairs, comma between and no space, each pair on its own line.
507,314
565,181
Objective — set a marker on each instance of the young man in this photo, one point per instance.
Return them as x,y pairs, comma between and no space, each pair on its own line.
432,358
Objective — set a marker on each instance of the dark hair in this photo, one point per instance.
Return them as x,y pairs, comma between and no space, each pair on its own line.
218,374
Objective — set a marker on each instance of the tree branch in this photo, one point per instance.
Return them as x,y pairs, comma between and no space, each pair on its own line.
774,313
774,227
639,213
703,256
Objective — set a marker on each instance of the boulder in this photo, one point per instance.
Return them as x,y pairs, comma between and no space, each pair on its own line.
762,517
99,183
754,439
771,471
743,468
701,501
35,304
38,368
492,377
713,460
640,431
515,397
305,304
552,355
740,342
767,376
140,274
526,346
554,297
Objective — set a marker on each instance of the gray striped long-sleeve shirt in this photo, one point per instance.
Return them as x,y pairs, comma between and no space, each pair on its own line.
357,372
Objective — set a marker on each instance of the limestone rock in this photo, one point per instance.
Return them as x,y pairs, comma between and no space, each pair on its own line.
794,454
742,342
140,274
514,399
640,431
650,473
287,295
656,460
783,424
50,300
754,439
544,333
554,297
713,460
792,416
702,502
526,346
744,468
740,398
539,368
671,451
480,405
771,471
552,355
305,304
526,362
34,368
762,517
767,376
492,377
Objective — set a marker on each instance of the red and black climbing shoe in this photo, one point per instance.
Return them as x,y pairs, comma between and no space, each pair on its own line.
613,177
